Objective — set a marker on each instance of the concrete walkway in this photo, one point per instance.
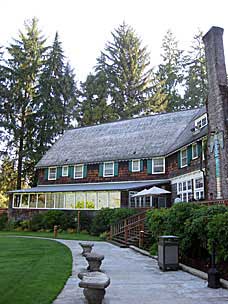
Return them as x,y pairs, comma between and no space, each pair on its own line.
136,279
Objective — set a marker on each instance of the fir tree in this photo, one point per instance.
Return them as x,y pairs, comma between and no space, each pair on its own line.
19,99
125,63
169,75
196,75
57,98
8,178
93,105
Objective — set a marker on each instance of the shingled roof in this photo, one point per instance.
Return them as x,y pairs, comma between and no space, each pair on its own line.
143,137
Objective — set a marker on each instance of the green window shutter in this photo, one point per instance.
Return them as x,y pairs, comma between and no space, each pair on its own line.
59,172
179,159
85,171
71,171
46,173
189,153
130,166
149,166
116,168
141,165
101,170
199,147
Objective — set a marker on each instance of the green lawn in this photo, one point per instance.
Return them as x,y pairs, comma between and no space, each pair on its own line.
32,271
62,235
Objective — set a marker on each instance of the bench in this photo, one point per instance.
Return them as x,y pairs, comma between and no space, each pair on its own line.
94,284
87,247
94,260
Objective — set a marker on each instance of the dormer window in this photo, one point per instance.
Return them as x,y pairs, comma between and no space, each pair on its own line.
201,121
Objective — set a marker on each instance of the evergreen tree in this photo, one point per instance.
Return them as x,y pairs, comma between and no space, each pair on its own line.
169,75
19,99
93,105
125,63
196,75
57,98
8,178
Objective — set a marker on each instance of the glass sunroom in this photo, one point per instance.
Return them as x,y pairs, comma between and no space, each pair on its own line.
92,196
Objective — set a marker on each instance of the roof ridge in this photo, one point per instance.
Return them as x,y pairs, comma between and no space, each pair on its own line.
134,118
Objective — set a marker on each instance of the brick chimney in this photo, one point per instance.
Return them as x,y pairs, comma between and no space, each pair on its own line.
217,109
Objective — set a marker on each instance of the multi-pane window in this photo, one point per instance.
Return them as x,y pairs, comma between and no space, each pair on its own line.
52,172
199,189
184,157
190,189
158,165
194,151
65,171
108,169
184,189
78,171
201,121
135,165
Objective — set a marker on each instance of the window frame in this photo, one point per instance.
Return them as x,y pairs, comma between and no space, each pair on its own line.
181,158
66,174
194,156
52,178
104,165
132,166
75,171
163,163
199,121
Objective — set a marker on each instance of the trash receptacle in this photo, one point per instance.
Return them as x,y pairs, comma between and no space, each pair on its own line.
168,252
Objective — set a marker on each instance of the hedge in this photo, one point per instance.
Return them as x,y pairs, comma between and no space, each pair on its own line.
196,226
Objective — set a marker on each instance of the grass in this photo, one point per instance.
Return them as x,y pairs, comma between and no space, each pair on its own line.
62,235
32,271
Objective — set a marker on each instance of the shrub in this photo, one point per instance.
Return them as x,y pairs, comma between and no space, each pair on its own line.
156,220
218,233
85,221
37,222
195,237
106,216
3,221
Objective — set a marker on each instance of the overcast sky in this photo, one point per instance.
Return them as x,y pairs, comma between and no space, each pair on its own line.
85,25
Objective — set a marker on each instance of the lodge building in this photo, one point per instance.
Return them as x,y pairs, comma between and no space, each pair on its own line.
105,165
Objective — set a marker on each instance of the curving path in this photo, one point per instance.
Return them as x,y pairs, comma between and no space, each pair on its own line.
136,279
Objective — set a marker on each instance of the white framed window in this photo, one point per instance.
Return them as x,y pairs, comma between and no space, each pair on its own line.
52,173
194,151
201,121
78,171
135,165
191,188
108,169
184,189
204,147
158,165
199,188
65,171
183,158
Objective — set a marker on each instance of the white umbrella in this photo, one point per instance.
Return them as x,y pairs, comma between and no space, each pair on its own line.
141,193
156,191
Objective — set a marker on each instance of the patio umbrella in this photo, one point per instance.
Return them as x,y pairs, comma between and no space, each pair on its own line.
156,191
140,193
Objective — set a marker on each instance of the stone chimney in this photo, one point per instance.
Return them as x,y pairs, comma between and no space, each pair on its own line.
217,109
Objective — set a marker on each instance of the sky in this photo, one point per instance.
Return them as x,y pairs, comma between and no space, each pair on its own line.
84,26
